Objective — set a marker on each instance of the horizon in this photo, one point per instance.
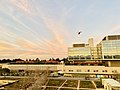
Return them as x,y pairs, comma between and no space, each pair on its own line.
46,28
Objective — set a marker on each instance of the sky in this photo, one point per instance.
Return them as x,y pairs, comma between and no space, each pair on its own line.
46,28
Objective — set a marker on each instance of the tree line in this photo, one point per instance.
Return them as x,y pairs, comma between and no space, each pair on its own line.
37,60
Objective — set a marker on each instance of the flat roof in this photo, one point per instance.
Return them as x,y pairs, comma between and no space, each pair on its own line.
112,82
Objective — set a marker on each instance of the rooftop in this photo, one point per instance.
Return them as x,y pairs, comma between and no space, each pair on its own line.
111,37
112,82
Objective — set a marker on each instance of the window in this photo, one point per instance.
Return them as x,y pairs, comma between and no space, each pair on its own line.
105,70
78,70
95,70
116,56
88,70
107,57
70,70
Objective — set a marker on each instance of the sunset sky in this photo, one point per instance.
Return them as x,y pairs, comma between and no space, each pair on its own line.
46,28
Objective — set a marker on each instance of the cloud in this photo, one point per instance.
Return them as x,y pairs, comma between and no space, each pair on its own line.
59,33
116,28
6,46
25,44
14,45
24,5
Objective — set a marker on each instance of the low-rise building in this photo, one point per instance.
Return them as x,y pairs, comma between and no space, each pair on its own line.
68,69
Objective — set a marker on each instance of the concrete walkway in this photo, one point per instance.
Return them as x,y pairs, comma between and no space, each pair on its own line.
78,85
45,85
94,84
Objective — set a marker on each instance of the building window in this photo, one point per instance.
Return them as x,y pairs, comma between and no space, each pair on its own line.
115,71
95,71
116,56
79,70
107,56
70,70
88,70
105,70
88,57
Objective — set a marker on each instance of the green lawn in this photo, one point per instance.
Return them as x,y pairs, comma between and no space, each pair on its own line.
98,84
51,88
71,83
86,84
55,82
67,89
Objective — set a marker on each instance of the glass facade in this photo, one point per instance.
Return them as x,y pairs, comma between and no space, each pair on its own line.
79,53
99,51
107,49
111,49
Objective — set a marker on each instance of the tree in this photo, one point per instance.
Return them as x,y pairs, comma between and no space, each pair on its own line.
65,59
37,59
50,59
57,59
53,59
6,70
